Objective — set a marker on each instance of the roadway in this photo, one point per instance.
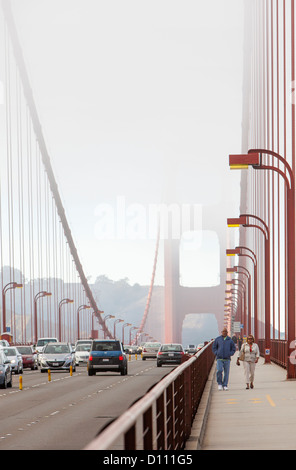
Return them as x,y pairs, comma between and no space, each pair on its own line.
67,412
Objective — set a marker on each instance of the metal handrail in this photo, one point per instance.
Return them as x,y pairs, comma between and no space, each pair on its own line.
162,419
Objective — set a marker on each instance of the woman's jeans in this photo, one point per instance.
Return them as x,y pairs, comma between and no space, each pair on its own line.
223,366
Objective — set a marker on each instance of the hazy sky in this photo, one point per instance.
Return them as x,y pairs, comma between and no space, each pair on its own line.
135,98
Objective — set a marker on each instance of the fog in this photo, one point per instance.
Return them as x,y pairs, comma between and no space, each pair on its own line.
140,102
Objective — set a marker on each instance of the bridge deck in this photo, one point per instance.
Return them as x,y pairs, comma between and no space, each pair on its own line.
260,418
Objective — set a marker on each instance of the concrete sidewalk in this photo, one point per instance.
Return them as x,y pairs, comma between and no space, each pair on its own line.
260,418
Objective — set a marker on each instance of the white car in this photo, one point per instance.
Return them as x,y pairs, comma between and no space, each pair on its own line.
82,353
150,350
15,358
43,342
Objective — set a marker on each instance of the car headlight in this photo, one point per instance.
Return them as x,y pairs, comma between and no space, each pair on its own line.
13,361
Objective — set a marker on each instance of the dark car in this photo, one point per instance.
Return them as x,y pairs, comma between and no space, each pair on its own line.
30,358
5,371
107,355
170,354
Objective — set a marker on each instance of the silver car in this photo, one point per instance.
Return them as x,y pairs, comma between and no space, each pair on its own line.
150,350
15,357
57,356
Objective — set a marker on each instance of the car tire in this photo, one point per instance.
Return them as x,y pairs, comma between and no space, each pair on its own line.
124,371
91,372
4,385
159,364
9,384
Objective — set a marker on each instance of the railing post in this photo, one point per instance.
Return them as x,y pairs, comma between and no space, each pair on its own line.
188,401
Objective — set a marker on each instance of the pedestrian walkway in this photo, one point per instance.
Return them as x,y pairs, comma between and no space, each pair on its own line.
239,419
262,418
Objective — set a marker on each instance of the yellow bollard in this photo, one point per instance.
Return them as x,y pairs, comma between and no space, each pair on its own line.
71,370
21,382
49,375
129,357
136,357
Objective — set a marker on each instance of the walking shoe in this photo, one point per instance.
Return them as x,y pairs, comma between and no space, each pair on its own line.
220,387
225,388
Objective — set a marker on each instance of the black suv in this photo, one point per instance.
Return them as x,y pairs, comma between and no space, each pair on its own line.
107,355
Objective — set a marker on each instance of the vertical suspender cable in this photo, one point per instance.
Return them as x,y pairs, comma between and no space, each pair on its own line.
45,158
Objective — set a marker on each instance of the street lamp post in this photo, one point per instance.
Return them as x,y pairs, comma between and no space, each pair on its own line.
62,302
123,326
81,307
106,318
254,159
10,285
130,333
38,296
254,261
244,221
114,326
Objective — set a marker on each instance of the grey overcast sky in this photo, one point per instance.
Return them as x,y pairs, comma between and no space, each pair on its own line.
135,97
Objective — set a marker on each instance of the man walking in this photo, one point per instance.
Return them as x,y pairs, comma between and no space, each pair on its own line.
223,348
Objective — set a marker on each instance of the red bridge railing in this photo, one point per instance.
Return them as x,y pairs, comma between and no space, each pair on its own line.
162,419
278,351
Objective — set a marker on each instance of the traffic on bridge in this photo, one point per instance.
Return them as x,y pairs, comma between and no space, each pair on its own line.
147,227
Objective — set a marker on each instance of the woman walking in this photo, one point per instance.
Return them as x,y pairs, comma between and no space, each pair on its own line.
251,353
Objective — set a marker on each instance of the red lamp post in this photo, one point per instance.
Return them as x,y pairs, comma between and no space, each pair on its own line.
62,302
123,326
239,252
254,159
106,318
38,296
114,326
244,221
10,285
81,307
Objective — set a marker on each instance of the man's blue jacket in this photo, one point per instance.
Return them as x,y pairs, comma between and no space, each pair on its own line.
223,348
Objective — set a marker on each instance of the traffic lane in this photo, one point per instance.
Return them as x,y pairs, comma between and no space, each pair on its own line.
69,412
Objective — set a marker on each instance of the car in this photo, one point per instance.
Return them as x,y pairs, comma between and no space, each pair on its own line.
15,358
191,350
200,346
107,355
83,341
4,342
131,349
29,355
82,354
150,350
57,356
42,342
170,354
5,371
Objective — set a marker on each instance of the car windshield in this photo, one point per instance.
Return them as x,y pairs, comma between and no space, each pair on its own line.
10,351
152,345
52,348
106,346
83,347
25,350
43,342
172,347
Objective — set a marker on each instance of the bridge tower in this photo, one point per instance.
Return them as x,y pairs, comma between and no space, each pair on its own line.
180,300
